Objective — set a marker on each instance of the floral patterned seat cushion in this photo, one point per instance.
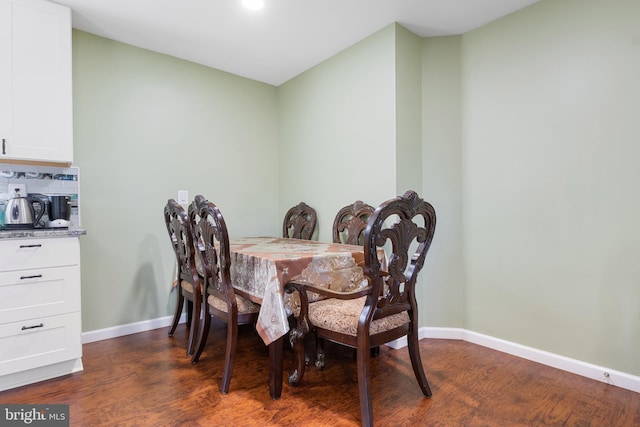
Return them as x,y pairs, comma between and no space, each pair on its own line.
342,316
187,286
244,305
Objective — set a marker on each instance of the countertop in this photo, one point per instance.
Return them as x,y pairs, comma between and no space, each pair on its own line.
41,233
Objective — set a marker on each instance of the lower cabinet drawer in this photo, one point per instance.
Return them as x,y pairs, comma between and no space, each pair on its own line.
39,293
24,254
39,342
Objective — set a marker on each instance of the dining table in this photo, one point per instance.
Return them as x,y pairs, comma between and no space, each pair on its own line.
261,267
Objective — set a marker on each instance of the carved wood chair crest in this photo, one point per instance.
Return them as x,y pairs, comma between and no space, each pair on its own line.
351,222
300,222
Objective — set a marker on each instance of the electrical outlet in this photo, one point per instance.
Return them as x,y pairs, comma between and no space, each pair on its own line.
183,197
11,190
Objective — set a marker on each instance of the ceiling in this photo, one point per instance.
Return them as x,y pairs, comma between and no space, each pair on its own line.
282,40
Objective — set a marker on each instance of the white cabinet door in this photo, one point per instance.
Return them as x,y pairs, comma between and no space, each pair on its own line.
35,81
38,342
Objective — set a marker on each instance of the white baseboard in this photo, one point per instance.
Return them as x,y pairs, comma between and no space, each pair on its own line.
41,373
598,373
130,328
588,370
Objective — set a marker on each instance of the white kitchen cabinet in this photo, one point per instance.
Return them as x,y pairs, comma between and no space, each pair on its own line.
36,120
40,316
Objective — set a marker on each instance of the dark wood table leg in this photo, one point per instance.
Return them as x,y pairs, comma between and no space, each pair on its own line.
276,368
297,337
298,333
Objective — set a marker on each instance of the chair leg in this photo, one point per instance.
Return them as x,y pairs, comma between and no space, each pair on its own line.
230,354
320,360
366,408
178,312
202,338
195,325
189,312
375,351
416,362
308,359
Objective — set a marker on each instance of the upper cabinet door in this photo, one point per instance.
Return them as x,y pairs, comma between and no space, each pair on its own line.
36,116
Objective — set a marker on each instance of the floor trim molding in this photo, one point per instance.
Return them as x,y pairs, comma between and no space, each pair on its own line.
128,329
588,370
578,367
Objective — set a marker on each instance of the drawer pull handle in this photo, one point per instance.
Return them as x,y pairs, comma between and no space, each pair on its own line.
41,325
37,276
30,246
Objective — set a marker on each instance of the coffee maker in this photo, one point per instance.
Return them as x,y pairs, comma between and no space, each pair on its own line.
59,212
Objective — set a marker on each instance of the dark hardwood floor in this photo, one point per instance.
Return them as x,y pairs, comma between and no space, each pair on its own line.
146,379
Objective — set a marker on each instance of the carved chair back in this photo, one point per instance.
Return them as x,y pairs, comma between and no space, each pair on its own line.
212,242
299,222
189,285
404,228
179,229
350,223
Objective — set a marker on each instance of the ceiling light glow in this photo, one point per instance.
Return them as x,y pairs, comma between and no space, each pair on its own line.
253,4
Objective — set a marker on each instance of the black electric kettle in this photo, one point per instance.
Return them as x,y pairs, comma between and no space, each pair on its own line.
59,211
20,212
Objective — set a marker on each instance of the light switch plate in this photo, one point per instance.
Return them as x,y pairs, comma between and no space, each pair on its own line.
11,189
183,197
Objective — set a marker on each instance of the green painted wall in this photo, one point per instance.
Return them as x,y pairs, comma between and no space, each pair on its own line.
550,160
408,142
337,127
443,303
145,126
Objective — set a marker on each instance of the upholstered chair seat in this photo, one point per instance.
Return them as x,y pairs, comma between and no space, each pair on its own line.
342,316
244,305
187,286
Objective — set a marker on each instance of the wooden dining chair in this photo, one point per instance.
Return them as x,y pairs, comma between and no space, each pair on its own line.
384,311
349,226
350,223
299,222
221,299
188,280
